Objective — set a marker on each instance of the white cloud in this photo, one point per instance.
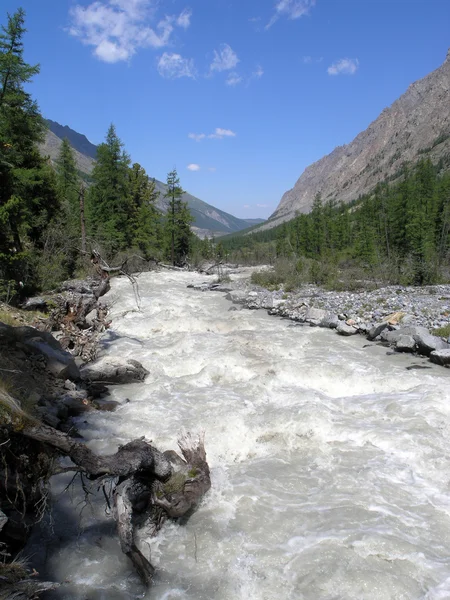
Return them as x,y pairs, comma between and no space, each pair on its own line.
247,206
173,66
233,79
221,133
344,66
224,59
193,167
184,20
118,28
292,9
309,60
262,205
212,169
258,73
218,134
197,136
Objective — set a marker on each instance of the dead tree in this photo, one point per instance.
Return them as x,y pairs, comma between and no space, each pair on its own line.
148,483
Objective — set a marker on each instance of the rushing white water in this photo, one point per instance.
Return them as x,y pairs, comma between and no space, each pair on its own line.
330,461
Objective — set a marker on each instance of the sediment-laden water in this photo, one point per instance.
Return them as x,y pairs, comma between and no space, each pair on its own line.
330,461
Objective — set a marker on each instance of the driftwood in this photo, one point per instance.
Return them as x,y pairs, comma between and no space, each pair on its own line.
151,486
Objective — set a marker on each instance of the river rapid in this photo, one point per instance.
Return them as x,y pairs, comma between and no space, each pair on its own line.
330,461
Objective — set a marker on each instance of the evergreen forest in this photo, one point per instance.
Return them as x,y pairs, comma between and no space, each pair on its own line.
50,219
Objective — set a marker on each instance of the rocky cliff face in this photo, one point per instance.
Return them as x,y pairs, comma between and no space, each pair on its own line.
416,125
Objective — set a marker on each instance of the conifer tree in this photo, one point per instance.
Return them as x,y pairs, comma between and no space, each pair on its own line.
28,198
178,220
68,183
110,208
146,226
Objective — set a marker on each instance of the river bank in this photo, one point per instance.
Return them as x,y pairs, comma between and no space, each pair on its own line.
408,319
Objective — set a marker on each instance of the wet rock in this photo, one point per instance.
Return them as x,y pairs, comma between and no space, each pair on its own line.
391,336
315,316
237,296
405,343
114,370
427,343
106,405
441,357
330,321
376,330
76,403
344,329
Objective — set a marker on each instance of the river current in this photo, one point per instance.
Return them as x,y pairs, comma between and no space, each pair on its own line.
330,461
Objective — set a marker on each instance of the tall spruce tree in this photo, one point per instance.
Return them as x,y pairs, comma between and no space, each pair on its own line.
178,219
110,208
28,198
146,225
69,183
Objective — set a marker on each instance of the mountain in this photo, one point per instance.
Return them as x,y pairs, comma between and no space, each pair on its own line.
208,220
415,126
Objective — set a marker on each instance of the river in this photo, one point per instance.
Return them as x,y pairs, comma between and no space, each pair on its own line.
330,460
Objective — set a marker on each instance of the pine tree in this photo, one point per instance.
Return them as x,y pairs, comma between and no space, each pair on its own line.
69,183
178,220
111,213
146,226
28,198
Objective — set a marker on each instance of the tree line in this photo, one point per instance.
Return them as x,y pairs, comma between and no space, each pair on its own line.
399,233
49,218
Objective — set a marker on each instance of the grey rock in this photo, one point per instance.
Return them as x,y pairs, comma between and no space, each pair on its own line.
344,329
331,321
427,343
114,370
59,362
405,343
391,336
376,330
441,357
90,317
315,315
38,303
237,296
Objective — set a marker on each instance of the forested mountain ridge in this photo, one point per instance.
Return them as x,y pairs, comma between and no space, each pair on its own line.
415,126
207,219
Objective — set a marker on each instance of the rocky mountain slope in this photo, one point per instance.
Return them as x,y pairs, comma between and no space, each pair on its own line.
414,126
208,219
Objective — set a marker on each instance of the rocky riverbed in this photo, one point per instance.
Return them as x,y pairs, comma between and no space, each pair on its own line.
403,318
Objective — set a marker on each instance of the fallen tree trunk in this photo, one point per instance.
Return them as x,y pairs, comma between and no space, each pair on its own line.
151,485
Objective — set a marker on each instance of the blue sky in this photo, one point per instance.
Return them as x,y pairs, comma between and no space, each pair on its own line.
239,95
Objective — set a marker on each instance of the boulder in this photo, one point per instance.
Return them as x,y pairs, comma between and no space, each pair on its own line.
344,329
406,343
114,370
427,343
315,315
90,317
38,303
59,362
236,296
392,335
376,330
441,357
330,321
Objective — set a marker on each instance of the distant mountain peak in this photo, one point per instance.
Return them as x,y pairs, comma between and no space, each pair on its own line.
78,141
